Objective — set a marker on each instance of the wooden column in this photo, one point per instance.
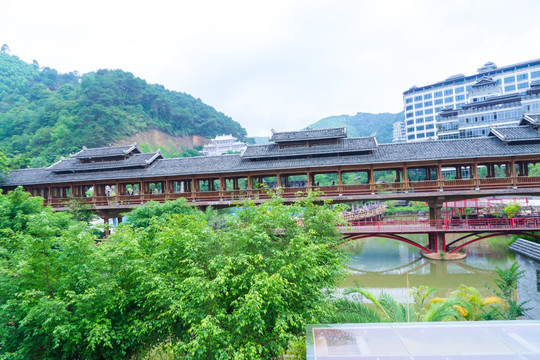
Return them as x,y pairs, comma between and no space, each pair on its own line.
440,178
372,185
474,175
513,172
406,178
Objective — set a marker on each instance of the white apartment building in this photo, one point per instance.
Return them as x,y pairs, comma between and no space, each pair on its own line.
399,134
222,144
423,105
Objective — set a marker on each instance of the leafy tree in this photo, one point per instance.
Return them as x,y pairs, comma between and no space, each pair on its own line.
512,210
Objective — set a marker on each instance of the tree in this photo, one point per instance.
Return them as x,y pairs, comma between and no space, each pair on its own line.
512,210
165,280
5,49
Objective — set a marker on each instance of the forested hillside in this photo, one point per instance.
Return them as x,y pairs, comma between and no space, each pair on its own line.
363,124
44,114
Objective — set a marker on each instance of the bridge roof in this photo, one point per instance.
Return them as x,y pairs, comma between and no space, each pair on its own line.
74,165
107,151
515,134
311,134
343,146
459,149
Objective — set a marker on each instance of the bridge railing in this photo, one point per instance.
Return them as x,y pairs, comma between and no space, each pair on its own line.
532,223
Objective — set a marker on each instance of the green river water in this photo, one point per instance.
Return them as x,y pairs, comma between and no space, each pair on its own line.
390,266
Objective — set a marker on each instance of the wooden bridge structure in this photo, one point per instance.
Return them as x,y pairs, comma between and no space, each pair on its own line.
115,179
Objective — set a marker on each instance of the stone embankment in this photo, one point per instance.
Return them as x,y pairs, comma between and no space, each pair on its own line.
526,248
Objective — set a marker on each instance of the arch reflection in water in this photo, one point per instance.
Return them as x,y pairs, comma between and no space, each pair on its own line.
384,265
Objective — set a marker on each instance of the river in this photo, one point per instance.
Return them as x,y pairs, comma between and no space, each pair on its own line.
390,266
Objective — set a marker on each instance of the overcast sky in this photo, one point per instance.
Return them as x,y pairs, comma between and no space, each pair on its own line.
276,64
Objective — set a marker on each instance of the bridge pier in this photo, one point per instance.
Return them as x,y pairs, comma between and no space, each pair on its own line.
107,214
437,242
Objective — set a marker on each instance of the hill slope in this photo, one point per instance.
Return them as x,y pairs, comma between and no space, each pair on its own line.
44,114
363,124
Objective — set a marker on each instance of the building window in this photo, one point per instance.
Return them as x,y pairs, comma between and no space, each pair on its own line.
419,120
428,103
428,111
410,122
409,107
419,113
409,115
468,88
427,96
459,90
535,74
418,106
437,109
438,101
510,88
499,81
430,134
418,98
408,100
458,106
523,85
429,118
410,137
510,79
448,92
410,129
430,126
438,94
420,136
522,77
460,97
448,99
420,128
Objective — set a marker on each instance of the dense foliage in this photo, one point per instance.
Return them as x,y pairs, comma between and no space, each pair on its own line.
363,124
44,114
165,282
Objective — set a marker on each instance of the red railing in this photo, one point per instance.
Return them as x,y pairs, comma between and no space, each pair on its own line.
454,225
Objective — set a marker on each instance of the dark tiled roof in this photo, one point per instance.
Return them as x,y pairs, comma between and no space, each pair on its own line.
314,134
532,119
484,81
344,146
515,134
107,151
503,99
74,165
457,149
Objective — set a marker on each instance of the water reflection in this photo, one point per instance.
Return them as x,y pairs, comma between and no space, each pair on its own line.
385,265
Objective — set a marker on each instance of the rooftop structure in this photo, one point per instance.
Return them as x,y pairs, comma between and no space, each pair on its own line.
222,145
459,340
423,104
316,153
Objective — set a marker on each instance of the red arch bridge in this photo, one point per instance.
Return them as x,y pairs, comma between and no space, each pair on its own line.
473,230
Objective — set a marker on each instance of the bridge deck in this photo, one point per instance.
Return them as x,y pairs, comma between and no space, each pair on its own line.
446,225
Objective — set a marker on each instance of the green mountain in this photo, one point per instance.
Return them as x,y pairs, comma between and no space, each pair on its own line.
363,124
45,114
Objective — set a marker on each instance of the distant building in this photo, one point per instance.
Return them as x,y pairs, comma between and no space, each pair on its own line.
424,116
223,144
400,134
487,110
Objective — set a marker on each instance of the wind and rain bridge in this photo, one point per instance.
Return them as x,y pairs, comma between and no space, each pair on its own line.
115,179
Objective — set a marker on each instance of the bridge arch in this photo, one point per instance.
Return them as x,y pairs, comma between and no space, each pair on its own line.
484,237
387,236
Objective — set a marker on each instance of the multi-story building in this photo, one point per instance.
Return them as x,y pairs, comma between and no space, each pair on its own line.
223,144
489,110
424,105
399,134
